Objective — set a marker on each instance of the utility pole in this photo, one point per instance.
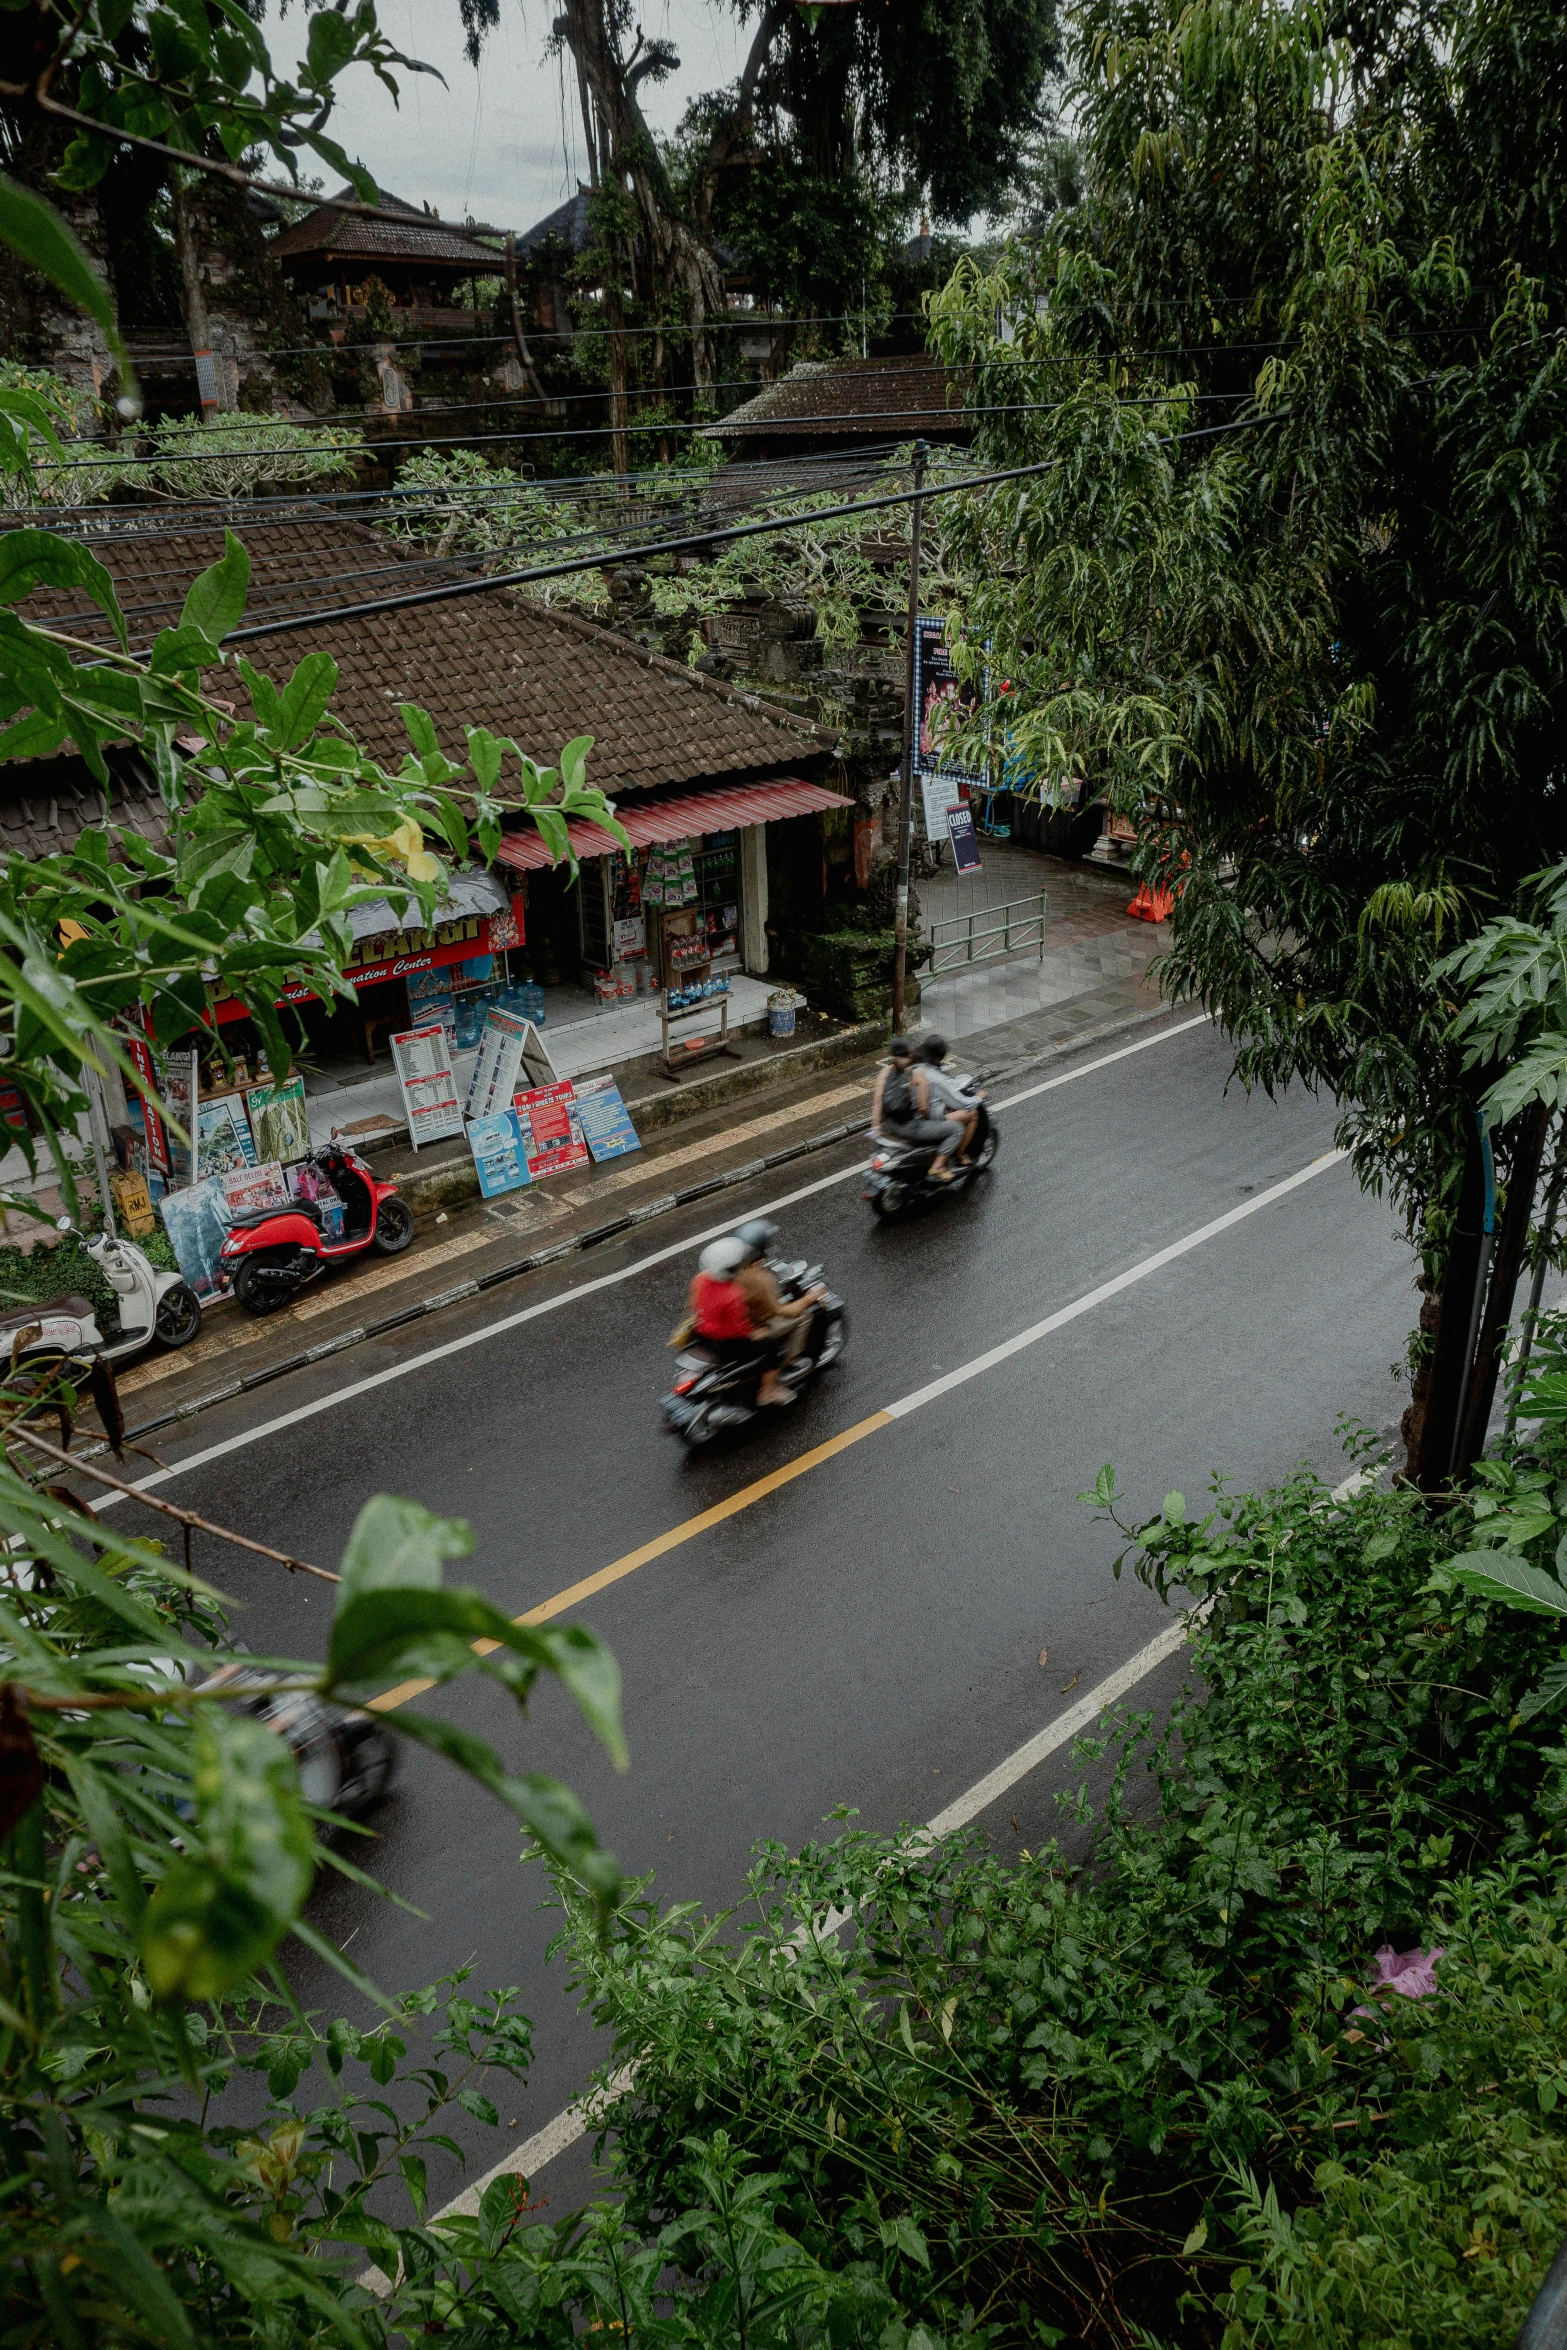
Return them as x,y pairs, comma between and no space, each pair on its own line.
212,385
900,952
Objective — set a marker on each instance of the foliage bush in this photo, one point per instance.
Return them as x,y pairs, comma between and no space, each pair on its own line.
1137,2097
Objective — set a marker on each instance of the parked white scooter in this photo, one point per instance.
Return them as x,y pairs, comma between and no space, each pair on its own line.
153,1303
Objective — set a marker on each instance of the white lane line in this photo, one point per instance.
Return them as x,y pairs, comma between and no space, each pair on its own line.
580,1289
1111,1288
577,2120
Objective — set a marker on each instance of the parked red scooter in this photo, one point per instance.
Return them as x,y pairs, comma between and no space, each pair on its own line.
271,1253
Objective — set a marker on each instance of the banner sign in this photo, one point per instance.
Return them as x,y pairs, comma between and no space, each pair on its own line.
139,1053
424,1071
604,1119
457,950
551,1132
942,700
965,840
499,1153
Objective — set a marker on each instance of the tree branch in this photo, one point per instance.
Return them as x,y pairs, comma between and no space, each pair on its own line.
168,1509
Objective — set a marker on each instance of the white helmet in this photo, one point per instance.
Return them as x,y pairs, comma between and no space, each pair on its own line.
723,1257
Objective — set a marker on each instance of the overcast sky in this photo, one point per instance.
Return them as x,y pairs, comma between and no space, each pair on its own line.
503,143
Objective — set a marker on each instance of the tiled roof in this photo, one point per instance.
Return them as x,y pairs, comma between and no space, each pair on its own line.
46,804
348,234
494,659
891,399
568,225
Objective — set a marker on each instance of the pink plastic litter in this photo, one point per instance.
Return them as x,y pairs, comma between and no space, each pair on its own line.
1411,1973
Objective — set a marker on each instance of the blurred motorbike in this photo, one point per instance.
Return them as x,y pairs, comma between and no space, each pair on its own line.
711,1395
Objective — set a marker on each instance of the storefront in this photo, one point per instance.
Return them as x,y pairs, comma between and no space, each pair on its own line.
696,872
405,973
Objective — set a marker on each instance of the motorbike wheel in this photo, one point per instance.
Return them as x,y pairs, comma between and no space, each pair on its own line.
698,1432
890,1202
986,1151
255,1295
833,1340
394,1227
178,1317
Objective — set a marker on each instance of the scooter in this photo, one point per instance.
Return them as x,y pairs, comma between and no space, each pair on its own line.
63,1333
899,1175
272,1252
710,1395
347,1760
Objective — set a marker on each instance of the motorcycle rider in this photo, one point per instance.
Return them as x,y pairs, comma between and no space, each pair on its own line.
902,1109
774,1317
946,1093
723,1318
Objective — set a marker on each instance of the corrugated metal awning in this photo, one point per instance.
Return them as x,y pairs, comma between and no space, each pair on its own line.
677,819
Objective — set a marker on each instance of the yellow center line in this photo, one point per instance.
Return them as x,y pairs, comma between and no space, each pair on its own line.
659,1547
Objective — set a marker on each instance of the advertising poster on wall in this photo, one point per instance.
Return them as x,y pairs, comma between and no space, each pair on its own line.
604,1119
424,1071
432,997
279,1120
223,1136
499,1155
551,1132
197,1223
943,700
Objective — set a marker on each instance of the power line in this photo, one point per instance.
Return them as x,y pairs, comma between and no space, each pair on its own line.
780,424
705,538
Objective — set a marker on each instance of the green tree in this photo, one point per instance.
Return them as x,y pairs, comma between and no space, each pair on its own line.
1292,587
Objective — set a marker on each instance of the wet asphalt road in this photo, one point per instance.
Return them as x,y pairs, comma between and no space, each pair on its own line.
869,1634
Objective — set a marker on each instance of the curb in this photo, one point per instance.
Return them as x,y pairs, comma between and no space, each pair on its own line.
597,1233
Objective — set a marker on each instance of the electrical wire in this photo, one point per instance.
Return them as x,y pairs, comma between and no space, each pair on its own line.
705,538
777,424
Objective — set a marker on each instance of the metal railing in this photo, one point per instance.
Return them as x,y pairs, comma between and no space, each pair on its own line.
988,932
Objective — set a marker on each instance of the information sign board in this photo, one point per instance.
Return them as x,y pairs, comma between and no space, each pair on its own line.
551,1133
423,1062
499,1157
604,1119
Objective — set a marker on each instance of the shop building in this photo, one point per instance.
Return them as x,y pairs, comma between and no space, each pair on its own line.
714,783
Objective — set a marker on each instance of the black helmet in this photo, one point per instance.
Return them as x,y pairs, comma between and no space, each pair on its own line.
900,1049
935,1050
756,1237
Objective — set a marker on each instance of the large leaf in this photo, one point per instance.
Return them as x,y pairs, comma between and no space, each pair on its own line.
551,1814
405,1631
1549,1690
1511,1582
41,558
35,230
399,1545
216,601
224,1907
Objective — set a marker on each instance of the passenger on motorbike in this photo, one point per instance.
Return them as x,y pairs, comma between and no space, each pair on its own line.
723,1319
781,1320
946,1093
902,1109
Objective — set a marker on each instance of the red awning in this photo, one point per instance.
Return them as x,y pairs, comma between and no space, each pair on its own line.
677,819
